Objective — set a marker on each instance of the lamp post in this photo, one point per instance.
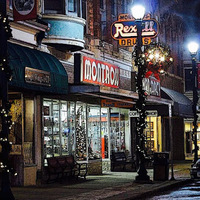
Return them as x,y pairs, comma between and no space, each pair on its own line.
193,48
138,12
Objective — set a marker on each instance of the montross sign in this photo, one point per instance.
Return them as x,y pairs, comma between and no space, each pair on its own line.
100,73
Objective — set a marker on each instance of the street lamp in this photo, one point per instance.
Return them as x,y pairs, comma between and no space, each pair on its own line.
193,48
138,12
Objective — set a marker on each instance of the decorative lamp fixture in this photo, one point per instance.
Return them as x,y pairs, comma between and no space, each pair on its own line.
193,47
138,11
158,60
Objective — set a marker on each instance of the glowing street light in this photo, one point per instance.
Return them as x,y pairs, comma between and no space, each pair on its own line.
193,48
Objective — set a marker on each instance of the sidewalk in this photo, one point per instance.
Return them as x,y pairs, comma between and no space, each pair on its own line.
110,186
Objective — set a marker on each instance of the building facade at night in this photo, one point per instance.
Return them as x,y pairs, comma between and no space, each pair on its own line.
73,86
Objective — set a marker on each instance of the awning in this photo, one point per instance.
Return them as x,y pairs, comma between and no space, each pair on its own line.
182,104
36,70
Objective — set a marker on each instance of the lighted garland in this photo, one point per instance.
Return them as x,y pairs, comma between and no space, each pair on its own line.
140,106
5,118
158,59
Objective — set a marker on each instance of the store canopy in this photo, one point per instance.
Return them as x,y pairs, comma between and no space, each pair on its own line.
182,104
36,70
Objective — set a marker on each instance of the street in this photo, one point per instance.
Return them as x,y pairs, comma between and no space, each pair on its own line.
187,192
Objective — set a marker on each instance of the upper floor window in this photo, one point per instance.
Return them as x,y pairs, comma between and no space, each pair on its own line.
102,6
188,78
124,6
65,7
113,7
54,6
72,5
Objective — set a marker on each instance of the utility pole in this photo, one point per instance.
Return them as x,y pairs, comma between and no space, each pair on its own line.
5,119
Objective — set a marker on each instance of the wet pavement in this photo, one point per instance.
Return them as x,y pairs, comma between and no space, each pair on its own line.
188,192
112,185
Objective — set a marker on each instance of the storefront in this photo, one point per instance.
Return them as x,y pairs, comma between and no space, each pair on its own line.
189,140
35,74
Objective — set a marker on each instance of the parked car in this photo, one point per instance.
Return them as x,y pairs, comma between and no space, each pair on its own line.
195,170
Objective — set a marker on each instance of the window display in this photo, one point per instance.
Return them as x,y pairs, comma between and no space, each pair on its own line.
104,133
86,131
81,146
94,143
56,131
117,130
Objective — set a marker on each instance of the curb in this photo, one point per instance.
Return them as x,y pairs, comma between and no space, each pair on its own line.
145,191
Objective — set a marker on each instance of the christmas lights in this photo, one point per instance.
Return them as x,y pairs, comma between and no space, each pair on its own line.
158,59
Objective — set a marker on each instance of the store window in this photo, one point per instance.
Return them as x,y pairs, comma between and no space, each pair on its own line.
153,135
15,135
56,129
65,7
71,128
81,135
119,130
29,131
104,133
94,134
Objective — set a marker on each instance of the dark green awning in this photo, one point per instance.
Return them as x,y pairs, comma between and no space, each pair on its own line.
40,66
182,104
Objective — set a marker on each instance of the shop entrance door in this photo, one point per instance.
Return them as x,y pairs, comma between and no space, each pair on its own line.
117,130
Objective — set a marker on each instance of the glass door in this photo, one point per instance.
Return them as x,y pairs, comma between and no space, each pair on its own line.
94,127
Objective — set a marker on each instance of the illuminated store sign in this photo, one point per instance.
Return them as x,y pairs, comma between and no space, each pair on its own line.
100,73
152,86
125,30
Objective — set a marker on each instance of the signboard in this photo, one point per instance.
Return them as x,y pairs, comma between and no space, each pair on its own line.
118,104
151,86
133,114
99,73
24,10
37,76
150,113
125,30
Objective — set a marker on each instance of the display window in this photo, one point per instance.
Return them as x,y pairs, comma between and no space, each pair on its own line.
104,133
119,130
87,131
152,134
81,137
94,132
56,129
189,137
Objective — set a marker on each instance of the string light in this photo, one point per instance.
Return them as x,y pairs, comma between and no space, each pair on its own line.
6,146
158,60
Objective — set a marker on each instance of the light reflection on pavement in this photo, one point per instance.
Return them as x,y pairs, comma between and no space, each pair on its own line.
188,192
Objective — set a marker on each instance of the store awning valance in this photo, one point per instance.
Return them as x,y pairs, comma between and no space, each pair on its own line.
36,70
182,104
